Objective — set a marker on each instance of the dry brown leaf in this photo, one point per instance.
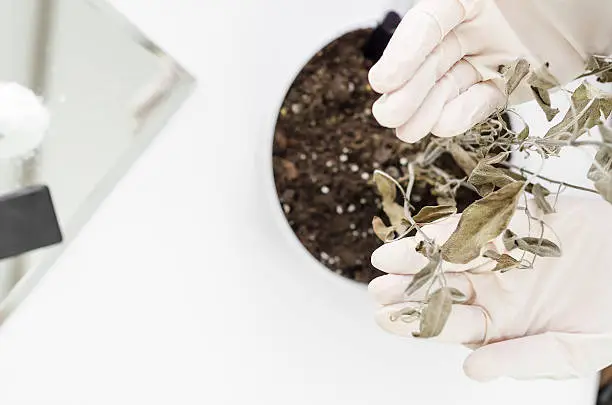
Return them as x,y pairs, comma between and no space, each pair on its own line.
539,247
540,199
514,73
430,214
426,274
436,313
394,212
382,231
505,263
464,160
481,222
386,188
457,296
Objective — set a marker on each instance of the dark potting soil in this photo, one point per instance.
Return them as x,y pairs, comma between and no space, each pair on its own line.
327,145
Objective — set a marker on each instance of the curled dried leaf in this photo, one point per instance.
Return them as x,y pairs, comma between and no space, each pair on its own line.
542,97
540,199
600,67
509,240
603,158
539,246
407,315
385,186
514,73
435,314
382,231
424,276
481,222
604,187
457,296
524,134
589,104
542,78
463,158
430,214
421,248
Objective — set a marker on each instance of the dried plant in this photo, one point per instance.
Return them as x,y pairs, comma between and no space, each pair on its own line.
482,153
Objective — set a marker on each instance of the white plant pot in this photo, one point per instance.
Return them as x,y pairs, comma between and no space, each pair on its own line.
293,331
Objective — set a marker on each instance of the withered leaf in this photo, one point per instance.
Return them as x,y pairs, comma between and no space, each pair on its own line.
599,67
605,105
505,263
457,296
430,214
604,186
509,239
589,105
481,222
421,248
486,177
491,254
464,160
394,212
603,158
542,78
436,313
426,274
386,188
539,247
446,200
432,152
540,199
524,134
382,231
542,97
407,315
606,133
514,73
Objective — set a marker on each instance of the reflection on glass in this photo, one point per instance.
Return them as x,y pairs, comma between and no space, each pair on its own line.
109,90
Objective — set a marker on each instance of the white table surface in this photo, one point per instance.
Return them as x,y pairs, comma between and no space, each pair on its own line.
182,290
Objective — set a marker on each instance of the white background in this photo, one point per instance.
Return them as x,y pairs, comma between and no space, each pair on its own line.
185,289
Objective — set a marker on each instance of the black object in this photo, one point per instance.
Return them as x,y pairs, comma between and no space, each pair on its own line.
604,396
376,44
27,221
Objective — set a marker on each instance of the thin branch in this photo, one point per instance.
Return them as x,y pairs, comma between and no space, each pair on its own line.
511,166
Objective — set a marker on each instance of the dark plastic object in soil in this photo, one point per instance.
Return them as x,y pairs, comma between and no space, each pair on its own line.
327,145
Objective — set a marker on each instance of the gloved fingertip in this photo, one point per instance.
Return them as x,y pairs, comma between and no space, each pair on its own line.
381,112
380,77
409,136
378,258
374,288
475,370
449,131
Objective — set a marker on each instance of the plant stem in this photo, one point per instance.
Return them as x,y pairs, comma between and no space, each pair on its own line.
511,166
407,203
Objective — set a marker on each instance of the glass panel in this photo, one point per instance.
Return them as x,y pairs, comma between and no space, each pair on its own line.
109,91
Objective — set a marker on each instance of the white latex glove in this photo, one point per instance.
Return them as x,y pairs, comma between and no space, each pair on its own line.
553,321
440,71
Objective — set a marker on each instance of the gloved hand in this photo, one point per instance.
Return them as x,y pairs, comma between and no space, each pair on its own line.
552,321
440,71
